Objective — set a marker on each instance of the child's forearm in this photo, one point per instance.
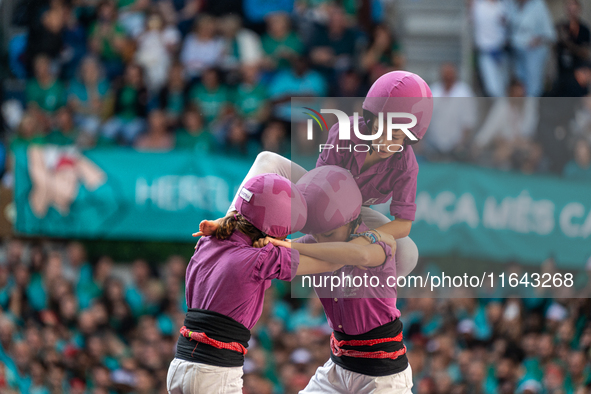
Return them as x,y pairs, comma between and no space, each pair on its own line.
310,266
343,253
398,228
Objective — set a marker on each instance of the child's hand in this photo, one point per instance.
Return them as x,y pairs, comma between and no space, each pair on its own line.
262,242
207,227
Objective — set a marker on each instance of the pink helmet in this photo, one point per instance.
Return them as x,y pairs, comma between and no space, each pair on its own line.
272,204
332,196
401,91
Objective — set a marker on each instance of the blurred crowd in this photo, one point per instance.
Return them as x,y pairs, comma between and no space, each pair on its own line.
69,325
182,74
520,55
194,74
218,77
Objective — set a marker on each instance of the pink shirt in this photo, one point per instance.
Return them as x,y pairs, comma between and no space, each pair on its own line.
230,276
391,178
354,316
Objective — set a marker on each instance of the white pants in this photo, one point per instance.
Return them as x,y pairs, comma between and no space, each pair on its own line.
407,253
494,73
331,378
186,377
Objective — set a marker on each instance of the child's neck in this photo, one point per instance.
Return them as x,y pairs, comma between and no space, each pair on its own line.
370,160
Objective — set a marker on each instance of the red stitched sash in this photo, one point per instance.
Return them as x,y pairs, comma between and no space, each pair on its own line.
336,345
201,337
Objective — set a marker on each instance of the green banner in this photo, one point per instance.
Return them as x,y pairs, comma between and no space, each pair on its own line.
123,194
503,216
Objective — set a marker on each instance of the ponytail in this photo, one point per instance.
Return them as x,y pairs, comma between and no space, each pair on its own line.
235,221
226,227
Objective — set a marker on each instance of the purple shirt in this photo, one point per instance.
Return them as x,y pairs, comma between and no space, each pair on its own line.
230,276
391,178
354,316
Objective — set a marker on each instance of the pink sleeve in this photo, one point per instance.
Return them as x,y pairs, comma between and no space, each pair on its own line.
403,197
387,250
277,263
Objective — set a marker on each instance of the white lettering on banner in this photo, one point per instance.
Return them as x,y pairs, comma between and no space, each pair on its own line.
445,210
177,192
521,214
575,210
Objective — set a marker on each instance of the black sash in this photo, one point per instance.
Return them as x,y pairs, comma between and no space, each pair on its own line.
215,326
370,366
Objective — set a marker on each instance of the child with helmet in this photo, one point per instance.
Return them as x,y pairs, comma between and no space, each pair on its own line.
227,277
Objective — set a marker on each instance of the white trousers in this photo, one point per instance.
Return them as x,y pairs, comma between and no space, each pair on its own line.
186,377
331,378
407,253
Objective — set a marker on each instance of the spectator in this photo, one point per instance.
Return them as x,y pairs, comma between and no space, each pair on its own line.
449,85
280,42
64,132
237,140
298,81
107,39
211,96
350,85
193,135
273,138
256,11
382,55
243,46
531,33
45,36
577,86
512,120
333,48
580,167
45,92
172,97
454,116
572,48
157,138
76,268
490,18
136,293
131,100
203,48
156,46
251,98
87,96
75,43
28,133
132,16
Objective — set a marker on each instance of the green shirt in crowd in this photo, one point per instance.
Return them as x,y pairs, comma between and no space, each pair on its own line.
202,141
57,137
210,102
273,48
48,98
249,99
128,103
107,51
19,141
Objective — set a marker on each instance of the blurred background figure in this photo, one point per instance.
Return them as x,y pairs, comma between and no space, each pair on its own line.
572,46
490,19
532,33
453,118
